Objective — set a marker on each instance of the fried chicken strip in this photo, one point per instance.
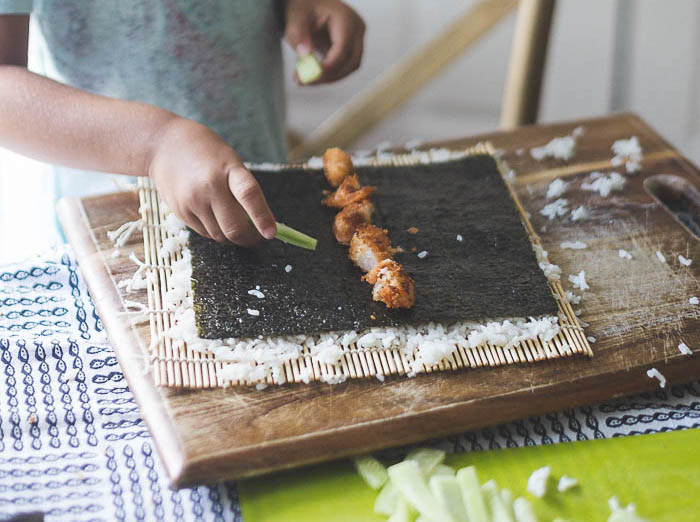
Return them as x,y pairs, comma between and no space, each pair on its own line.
350,218
392,285
370,246
350,191
337,165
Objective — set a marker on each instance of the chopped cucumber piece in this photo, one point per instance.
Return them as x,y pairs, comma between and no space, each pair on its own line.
409,480
471,495
427,458
386,500
446,490
499,512
294,237
442,469
403,512
523,510
625,515
372,471
507,499
308,69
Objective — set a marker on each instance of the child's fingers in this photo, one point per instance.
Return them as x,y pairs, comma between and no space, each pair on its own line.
194,223
208,219
233,221
249,195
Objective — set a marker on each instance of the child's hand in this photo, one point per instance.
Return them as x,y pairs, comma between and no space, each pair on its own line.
329,26
207,186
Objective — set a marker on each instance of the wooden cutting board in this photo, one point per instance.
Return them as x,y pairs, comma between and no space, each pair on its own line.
638,312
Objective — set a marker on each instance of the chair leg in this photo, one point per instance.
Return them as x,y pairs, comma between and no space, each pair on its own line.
521,95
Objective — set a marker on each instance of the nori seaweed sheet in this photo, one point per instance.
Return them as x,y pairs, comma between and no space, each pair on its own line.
492,273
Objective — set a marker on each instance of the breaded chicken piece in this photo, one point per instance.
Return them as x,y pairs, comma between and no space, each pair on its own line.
337,165
347,220
348,192
392,285
370,246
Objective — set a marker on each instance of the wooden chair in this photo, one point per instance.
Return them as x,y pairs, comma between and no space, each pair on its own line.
412,72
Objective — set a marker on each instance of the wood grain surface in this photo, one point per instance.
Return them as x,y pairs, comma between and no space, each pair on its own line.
637,309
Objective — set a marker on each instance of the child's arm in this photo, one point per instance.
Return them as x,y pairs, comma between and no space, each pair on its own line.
201,178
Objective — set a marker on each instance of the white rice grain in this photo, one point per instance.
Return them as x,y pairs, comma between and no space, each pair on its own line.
579,213
573,245
579,281
537,482
557,188
661,257
624,254
421,255
559,148
653,373
566,483
684,260
256,293
554,209
684,349
604,185
693,300
253,312
288,268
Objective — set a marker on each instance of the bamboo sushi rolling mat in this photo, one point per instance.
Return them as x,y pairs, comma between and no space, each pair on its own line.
175,364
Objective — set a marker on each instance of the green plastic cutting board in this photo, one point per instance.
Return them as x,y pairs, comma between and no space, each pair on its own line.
659,473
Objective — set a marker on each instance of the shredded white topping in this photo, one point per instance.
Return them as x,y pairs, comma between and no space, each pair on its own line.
653,373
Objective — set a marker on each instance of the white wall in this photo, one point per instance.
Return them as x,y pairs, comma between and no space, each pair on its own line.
659,79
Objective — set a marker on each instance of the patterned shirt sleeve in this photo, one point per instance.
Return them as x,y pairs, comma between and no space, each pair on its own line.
16,6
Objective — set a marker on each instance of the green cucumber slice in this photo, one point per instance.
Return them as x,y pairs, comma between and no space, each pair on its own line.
427,458
523,510
372,471
308,69
446,490
409,480
471,495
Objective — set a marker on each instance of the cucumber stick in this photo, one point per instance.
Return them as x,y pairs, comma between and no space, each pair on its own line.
499,511
427,458
403,512
442,469
471,495
446,490
523,510
388,497
407,477
372,471
308,69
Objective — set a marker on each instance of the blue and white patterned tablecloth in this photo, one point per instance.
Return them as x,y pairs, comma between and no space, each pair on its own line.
73,445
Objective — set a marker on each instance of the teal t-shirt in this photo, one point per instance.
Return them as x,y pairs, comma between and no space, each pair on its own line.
218,62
